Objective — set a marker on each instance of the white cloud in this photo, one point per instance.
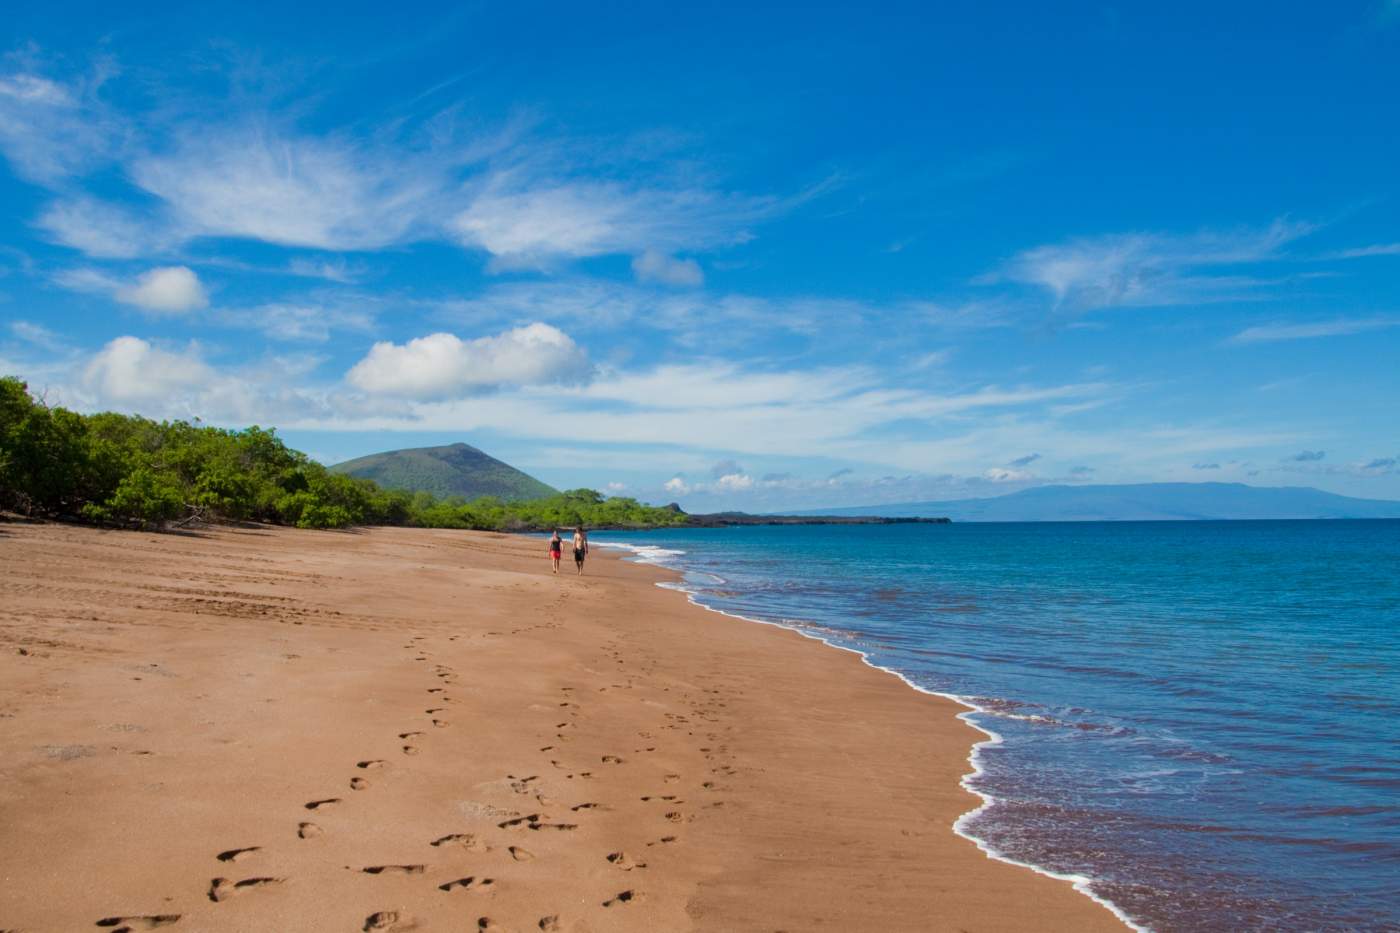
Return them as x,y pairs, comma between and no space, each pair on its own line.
653,266
538,224
1139,269
100,229
1269,333
256,182
1004,475
38,335
443,365
332,270
1378,249
51,131
130,371
676,485
734,482
301,322
166,290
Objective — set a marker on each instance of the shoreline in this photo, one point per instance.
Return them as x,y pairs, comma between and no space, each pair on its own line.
1081,883
249,670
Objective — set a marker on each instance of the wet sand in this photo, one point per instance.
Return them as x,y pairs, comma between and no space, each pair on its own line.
395,729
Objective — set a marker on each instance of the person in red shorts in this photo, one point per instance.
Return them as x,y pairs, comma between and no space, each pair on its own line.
556,549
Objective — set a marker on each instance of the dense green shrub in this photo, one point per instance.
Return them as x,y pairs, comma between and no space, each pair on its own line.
129,470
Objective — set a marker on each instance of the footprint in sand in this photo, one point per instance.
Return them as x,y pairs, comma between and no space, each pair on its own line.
624,861
589,806
611,760
464,840
520,854
318,804
623,897
143,922
521,785
358,783
373,764
441,723
394,869
221,889
662,841
235,855
550,924
388,920
410,749
468,883
409,735
308,830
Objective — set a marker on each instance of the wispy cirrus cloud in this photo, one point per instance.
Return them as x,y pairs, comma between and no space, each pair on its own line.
533,225
1146,269
254,173
1363,252
54,130
305,321
1337,327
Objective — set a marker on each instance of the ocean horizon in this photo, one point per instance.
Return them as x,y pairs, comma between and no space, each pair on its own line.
1195,722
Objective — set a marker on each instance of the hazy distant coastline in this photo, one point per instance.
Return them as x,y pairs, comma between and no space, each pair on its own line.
1138,502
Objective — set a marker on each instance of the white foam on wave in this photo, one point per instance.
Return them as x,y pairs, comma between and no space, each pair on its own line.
1080,882
645,553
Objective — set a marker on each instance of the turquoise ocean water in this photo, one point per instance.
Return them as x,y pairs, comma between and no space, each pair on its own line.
1200,720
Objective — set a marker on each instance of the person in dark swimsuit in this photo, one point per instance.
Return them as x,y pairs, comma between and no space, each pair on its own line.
556,549
580,548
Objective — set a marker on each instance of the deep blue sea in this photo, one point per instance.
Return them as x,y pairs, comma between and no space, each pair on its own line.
1202,719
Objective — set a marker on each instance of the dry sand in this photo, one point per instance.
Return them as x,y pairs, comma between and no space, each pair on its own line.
280,730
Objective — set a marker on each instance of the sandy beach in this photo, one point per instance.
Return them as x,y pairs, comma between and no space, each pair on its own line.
395,729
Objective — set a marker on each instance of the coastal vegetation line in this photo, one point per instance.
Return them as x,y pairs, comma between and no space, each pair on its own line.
126,470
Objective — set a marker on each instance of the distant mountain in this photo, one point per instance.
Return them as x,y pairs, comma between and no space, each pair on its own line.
1141,502
454,470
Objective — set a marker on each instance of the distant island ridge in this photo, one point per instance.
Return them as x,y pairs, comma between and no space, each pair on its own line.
1137,502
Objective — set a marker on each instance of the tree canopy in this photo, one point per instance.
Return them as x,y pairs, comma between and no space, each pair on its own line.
127,470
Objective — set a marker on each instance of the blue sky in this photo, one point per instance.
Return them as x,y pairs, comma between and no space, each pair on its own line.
737,256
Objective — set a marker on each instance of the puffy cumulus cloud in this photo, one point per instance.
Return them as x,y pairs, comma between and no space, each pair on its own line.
1308,456
166,290
734,482
653,266
443,365
130,371
676,485
616,487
